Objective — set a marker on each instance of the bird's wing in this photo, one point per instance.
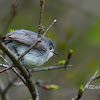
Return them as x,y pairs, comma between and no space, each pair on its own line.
25,39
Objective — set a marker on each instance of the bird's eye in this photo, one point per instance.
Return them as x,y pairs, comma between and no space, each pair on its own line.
50,48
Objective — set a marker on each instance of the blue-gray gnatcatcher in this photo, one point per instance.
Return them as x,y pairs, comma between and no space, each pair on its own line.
19,41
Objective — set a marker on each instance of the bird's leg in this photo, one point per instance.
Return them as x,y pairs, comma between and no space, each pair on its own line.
29,75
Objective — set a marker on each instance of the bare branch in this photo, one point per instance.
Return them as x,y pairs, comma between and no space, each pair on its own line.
9,77
49,27
3,96
3,65
38,40
90,80
14,6
48,68
3,59
41,28
18,84
11,67
7,72
23,71
9,85
1,86
28,50
97,77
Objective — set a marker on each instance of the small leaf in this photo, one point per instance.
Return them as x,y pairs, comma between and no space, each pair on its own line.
52,87
62,62
11,30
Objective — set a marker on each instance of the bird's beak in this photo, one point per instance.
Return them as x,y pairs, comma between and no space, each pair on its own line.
55,53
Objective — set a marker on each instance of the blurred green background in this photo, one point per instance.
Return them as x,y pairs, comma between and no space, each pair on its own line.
77,28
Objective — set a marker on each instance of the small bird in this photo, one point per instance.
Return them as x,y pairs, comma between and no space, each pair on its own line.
19,41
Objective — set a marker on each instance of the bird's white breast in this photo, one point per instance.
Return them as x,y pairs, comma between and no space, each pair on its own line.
33,58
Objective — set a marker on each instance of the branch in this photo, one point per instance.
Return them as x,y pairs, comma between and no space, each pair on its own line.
3,65
3,96
90,80
66,66
3,59
1,86
7,72
23,71
11,67
48,68
97,77
41,28
38,40
14,6
10,84
49,27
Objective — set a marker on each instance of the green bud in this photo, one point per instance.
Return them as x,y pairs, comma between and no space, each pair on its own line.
54,87
80,90
11,30
62,62
71,51
41,0
51,87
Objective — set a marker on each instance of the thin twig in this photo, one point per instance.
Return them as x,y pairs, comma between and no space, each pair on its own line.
4,59
20,76
3,96
18,84
10,84
14,6
5,69
1,86
28,50
22,69
7,72
38,40
4,66
48,68
90,80
17,73
54,21
97,77
41,28
9,77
